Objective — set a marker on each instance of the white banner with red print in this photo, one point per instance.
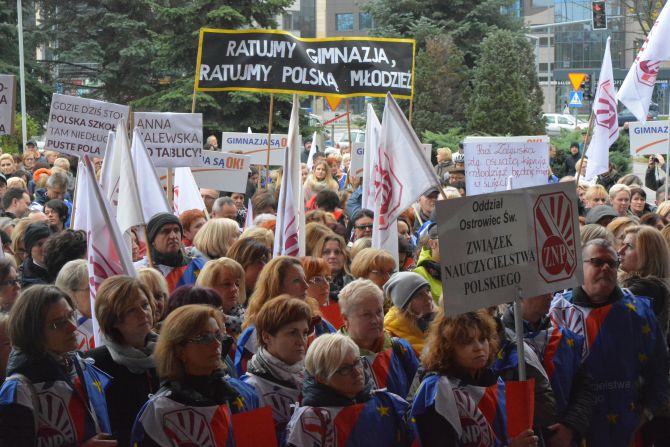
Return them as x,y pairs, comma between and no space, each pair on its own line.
524,241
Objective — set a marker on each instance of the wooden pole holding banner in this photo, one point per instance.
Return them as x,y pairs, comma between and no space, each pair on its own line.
267,160
351,143
74,203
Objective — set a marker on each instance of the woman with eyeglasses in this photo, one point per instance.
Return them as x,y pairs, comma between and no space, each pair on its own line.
389,361
51,396
10,286
461,401
282,275
252,255
226,276
376,265
124,309
195,403
339,406
158,286
645,267
333,249
73,278
276,370
317,274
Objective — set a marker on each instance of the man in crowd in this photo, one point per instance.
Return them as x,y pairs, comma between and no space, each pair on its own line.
213,143
424,207
625,351
224,207
209,196
15,203
572,159
165,243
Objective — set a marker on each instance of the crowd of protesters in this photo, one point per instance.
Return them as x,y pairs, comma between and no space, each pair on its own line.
345,346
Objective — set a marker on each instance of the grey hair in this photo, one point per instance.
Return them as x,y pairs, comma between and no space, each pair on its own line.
602,243
353,293
220,202
615,189
72,274
327,353
57,179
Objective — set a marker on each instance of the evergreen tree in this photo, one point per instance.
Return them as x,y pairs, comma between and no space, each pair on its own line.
506,96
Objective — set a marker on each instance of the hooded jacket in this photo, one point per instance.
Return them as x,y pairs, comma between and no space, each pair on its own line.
430,270
398,325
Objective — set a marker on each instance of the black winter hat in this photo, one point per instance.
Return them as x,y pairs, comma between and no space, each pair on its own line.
158,221
35,232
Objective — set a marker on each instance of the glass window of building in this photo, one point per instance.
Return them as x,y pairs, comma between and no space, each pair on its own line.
344,22
364,20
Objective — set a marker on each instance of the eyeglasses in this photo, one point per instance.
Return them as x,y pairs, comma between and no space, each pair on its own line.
62,323
206,339
348,369
599,263
363,227
320,280
11,282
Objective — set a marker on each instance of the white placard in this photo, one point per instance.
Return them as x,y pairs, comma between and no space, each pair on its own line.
357,159
497,245
222,171
7,103
255,145
489,161
172,139
80,126
648,138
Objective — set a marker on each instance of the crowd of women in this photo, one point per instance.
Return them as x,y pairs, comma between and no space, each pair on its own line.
341,345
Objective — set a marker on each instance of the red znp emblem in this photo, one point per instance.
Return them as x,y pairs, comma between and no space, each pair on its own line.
555,237
388,190
605,108
647,71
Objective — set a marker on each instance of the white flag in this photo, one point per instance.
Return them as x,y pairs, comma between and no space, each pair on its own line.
312,151
401,175
107,171
290,230
129,203
635,92
606,124
107,255
186,193
149,185
373,130
249,221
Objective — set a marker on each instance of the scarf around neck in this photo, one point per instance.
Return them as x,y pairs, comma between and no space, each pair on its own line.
264,364
136,360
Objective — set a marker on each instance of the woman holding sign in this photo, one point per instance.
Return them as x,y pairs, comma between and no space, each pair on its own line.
461,401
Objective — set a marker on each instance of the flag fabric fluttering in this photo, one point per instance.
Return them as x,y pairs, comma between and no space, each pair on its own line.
373,129
312,151
290,229
106,252
606,124
148,183
129,208
636,90
186,193
249,221
109,171
401,174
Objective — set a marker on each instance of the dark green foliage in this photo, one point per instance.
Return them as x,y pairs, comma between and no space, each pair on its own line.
506,96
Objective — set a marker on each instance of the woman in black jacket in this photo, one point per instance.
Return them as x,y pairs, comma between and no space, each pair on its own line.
124,308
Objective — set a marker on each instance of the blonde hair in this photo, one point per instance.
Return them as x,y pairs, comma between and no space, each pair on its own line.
7,157
617,188
154,280
653,255
327,353
269,285
314,232
360,245
62,163
17,183
370,259
353,293
663,209
182,324
211,273
216,236
595,191
259,234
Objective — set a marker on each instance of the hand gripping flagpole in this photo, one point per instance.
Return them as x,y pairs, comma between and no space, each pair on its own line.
518,320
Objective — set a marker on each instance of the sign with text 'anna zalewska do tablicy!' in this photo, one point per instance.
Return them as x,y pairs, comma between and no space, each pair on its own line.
276,61
495,246
172,139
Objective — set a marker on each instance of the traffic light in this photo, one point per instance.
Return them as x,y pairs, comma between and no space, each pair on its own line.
586,87
598,15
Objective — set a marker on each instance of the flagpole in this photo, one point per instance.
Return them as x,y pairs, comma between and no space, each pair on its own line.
74,203
351,143
411,107
586,139
267,160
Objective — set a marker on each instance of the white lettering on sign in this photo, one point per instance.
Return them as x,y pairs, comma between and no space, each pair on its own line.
7,103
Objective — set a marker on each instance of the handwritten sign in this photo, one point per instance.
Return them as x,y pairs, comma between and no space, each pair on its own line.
255,145
489,161
7,103
172,139
80,126
520,241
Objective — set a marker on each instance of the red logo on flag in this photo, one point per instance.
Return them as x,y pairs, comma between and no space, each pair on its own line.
555,237
647,71
55,425
188,428
605,108
388,189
